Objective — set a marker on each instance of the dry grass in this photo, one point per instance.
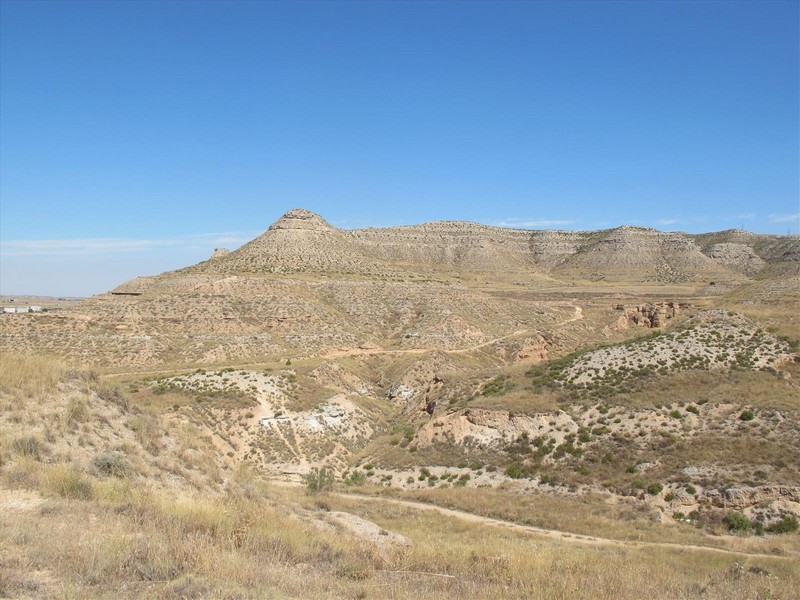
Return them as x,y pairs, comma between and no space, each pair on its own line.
145,544
590,515
105,496
28,376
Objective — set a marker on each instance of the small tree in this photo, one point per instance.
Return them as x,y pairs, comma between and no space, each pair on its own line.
319,480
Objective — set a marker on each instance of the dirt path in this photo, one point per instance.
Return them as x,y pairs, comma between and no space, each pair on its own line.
555,534
578,316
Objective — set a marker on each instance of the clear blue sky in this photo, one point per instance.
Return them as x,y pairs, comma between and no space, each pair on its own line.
137,136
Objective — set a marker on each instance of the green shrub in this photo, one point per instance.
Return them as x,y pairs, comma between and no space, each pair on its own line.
462,481
676,414
496,386
548,480
319,480
690,489
747,415
737,521
654,489
514,471
787,524
669,497
356,478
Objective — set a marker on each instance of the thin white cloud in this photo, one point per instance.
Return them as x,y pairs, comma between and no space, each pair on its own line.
106,246
531,223
784,218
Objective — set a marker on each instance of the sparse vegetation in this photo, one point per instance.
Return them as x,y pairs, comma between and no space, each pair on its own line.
319,480
113,464
787,524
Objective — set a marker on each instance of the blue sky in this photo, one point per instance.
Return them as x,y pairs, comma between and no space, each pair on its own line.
137,136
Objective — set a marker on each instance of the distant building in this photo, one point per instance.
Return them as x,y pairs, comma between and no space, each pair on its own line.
9,309
36,308
21,309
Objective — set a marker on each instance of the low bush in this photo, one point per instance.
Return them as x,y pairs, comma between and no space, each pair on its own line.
29,446
514,471
736,521
654,489
788,524
113,395
354,478
112,464
319,480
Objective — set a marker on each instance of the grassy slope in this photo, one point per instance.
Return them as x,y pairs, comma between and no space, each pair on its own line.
165,523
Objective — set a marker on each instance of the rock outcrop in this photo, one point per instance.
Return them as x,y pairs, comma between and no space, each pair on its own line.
220,252
737,257
648,315
740,498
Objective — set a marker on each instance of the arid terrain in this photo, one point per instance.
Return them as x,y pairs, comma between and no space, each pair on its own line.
443,410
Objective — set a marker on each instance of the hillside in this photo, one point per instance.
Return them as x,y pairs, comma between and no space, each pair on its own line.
468,392
305,288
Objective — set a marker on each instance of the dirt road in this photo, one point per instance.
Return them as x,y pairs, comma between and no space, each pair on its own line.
554,534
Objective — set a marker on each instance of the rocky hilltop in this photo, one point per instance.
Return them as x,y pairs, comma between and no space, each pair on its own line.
299,241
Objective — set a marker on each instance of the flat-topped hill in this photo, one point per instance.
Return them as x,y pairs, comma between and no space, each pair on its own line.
302,241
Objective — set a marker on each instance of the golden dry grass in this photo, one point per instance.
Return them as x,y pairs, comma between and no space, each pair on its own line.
28,376
156,545
180,524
